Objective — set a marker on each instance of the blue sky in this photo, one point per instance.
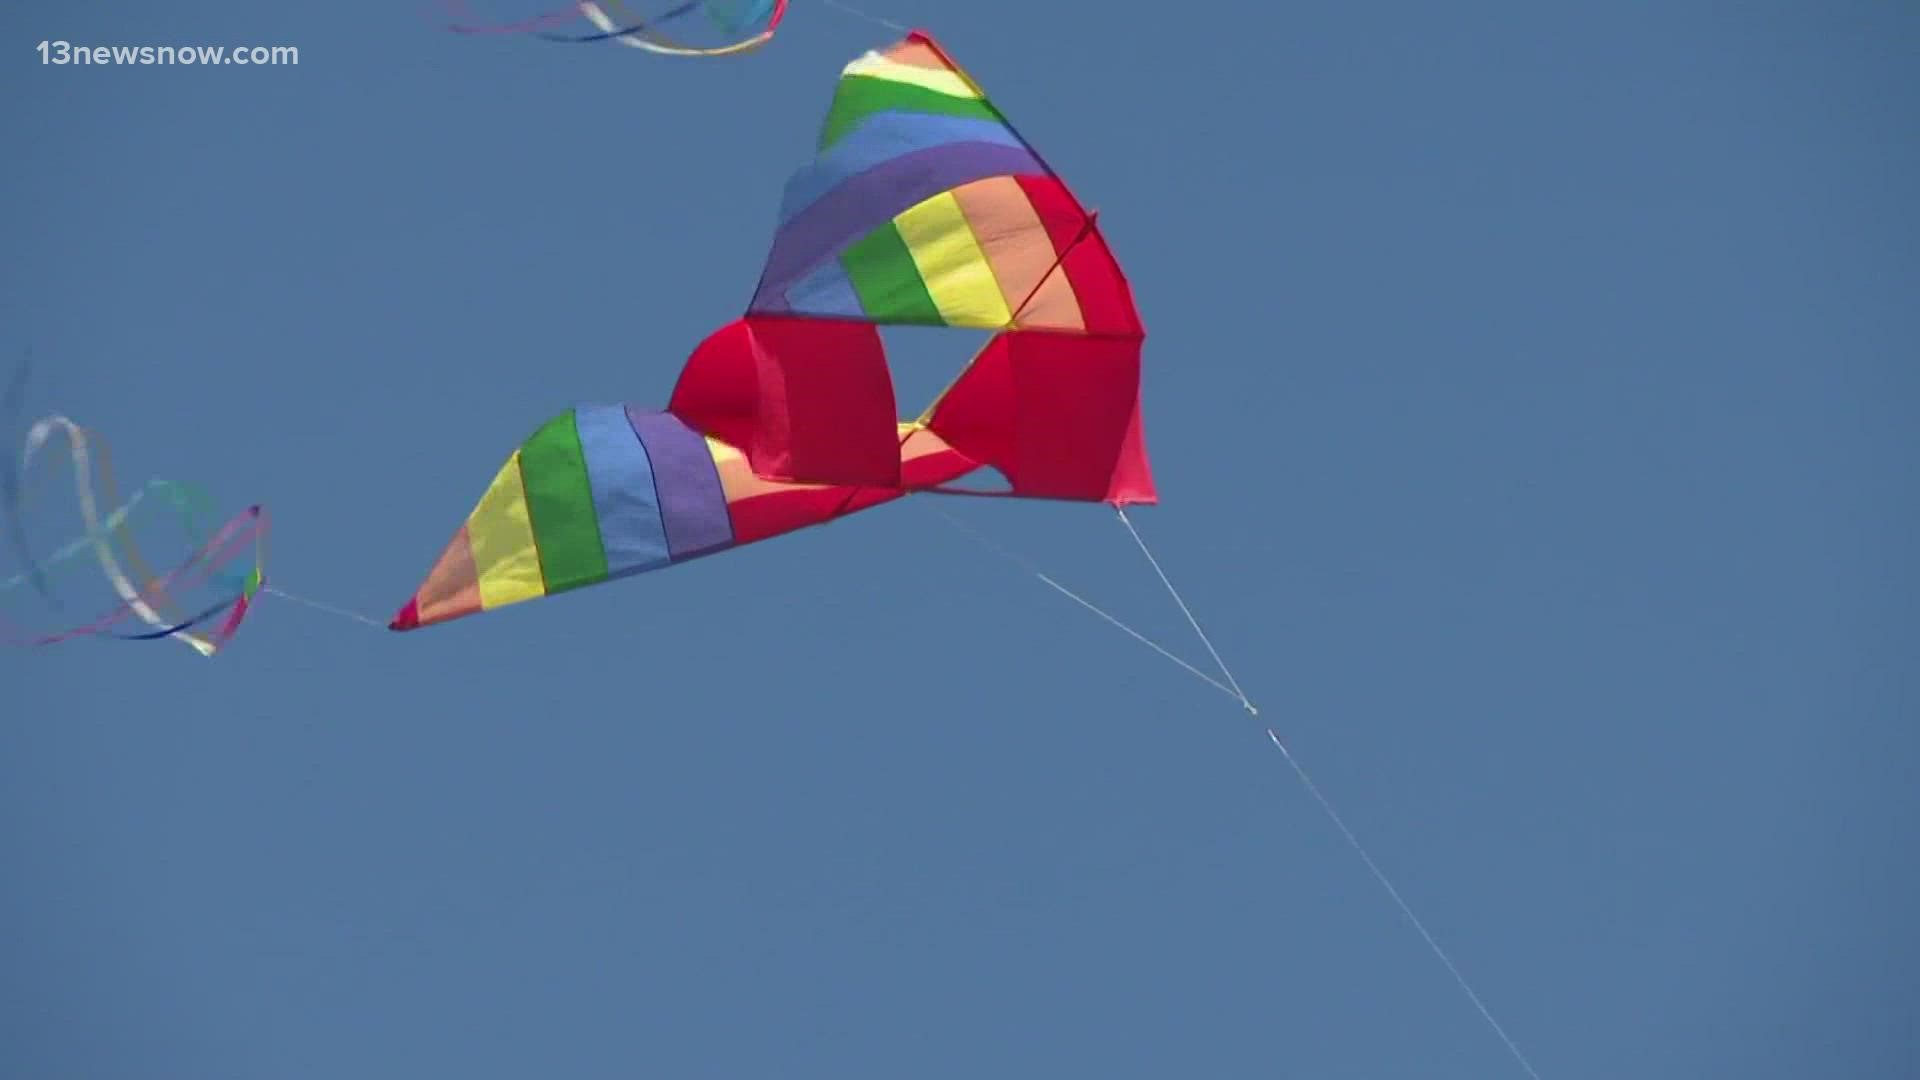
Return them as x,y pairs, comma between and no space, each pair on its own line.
1531,396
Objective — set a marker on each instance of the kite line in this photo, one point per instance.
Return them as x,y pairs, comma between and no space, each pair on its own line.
1188,612
328,608
1405,908
1027,564
858,14
1232,689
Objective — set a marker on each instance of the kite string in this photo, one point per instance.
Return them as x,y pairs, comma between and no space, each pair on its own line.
1405,909
1332,814
1001,550
858,14
328,608
1188,612
1235,692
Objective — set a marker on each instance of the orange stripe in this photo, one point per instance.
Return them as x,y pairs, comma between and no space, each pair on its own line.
1021,253
738,480
917,54
452,588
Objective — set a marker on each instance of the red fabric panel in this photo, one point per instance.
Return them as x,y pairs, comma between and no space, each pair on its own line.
826,403
718,390
778,511
1106,301
1076,400
808,400
1132,476
1057,414
975,415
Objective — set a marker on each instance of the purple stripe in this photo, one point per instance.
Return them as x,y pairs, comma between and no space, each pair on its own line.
878,140
691,501
856,207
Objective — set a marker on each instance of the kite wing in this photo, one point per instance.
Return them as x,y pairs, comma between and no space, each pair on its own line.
607,491
922,206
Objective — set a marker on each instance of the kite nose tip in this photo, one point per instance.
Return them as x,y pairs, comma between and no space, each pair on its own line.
408,619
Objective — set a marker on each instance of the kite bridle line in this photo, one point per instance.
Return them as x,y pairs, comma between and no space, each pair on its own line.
1026,564
1185,610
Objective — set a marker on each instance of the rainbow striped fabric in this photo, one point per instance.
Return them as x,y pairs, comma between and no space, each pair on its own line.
925,207
598,493
922,206
607,491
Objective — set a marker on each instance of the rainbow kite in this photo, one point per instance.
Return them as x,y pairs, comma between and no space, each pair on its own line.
923,206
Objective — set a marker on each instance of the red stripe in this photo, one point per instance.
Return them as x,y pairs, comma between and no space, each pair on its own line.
1106,303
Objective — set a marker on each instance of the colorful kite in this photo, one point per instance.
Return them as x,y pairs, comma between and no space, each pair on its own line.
923,207
206,588
669,27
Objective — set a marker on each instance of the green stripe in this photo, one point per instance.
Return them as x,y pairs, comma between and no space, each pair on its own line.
888,283
860,96
560,501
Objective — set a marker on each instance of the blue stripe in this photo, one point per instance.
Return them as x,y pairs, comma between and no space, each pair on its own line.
621,476
827,291
880,138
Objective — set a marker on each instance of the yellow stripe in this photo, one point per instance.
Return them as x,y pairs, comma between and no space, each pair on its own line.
1016,245
873,65
501,533
956,271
